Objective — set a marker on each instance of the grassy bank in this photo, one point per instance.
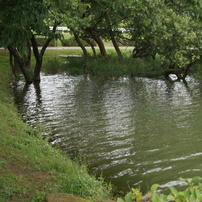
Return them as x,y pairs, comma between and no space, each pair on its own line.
29,167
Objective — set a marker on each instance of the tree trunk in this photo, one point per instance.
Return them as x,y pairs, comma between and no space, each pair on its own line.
28,56
182,72
112,36
100,43
37,69
22,62
39,55
187,68
14,65
85,53
91,45
38,59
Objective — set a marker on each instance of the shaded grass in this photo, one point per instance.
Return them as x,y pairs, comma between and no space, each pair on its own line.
97,66
29,167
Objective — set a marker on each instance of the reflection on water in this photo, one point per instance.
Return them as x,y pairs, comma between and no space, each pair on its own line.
135,131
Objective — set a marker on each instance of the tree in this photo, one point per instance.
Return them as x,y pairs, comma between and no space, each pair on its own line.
105,18
39,54
170,29
157,28
20,22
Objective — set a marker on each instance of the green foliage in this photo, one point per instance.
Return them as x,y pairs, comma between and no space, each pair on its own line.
69,42
39,197
197,71
53,66
42,40
193,192
128,198
24,17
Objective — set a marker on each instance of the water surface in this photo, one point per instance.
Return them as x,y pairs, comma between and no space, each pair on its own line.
135,131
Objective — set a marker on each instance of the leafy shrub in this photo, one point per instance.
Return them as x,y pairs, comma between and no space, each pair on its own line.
42,40
197,71
193,192
69,42
54,66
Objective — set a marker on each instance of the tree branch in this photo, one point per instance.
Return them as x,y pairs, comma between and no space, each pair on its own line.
49,39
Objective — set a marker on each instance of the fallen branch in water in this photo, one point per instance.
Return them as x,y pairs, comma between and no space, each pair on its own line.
182,72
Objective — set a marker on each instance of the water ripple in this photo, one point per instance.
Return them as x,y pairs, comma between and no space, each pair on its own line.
136,131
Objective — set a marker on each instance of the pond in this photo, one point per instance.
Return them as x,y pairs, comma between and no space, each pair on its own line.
133,131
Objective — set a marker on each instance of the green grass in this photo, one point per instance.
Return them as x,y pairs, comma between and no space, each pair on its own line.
29,167
100,68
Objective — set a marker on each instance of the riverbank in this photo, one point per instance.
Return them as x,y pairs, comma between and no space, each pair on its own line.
29,167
